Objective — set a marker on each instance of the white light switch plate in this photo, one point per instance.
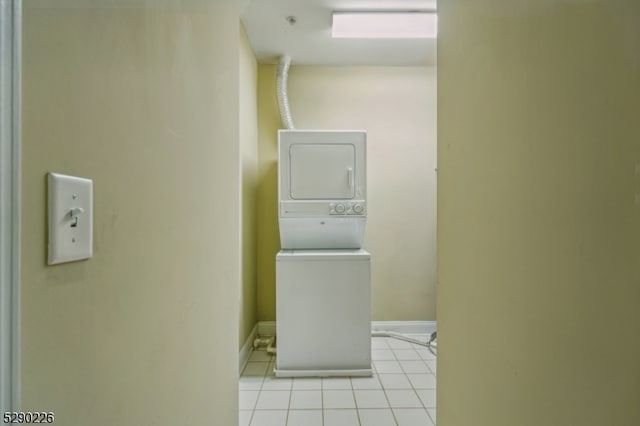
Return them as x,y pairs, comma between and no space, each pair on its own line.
70,218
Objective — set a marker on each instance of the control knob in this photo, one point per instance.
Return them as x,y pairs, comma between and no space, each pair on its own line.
357,208
340,208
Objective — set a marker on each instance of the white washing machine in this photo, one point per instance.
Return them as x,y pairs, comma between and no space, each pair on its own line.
323,313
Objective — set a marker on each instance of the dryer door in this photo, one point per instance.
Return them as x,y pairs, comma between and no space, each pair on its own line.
322,171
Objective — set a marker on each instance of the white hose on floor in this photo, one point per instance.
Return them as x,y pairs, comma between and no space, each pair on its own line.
431,344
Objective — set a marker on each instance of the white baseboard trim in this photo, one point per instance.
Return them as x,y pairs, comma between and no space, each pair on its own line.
266,328
245,351
405,327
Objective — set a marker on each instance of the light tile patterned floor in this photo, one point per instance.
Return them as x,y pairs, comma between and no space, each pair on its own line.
402,392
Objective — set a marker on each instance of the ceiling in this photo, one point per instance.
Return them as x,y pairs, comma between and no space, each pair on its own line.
309,40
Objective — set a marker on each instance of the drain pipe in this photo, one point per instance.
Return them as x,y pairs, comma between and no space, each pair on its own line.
261,341
271,347
268,341
281,91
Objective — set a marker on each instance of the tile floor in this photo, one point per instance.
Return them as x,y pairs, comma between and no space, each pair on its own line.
401,392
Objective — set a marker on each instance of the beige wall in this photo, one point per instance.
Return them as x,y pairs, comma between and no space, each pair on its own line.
397,107
267,220
249,164
538,213
145,103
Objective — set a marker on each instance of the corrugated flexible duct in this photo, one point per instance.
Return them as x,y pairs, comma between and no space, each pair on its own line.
281,88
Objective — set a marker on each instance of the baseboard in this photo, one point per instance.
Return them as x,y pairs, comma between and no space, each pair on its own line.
405,327
245,351
268,328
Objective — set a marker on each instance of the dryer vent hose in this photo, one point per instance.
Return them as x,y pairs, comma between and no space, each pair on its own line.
281,89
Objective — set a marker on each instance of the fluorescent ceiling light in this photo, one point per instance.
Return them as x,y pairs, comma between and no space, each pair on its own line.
384,25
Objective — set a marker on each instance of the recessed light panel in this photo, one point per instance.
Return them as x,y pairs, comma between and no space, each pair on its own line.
385,25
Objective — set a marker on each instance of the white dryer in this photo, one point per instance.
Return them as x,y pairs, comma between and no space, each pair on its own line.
322,189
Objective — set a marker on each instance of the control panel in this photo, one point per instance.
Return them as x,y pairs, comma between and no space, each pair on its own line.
347,208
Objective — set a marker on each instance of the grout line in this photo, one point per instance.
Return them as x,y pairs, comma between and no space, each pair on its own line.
432,419
264,376
393,414
322,400
355,402
286,418
384,389
414,388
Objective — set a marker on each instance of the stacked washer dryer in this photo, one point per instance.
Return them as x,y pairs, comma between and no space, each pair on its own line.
323,277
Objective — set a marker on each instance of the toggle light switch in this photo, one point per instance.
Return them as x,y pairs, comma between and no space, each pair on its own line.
70,218
75,213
